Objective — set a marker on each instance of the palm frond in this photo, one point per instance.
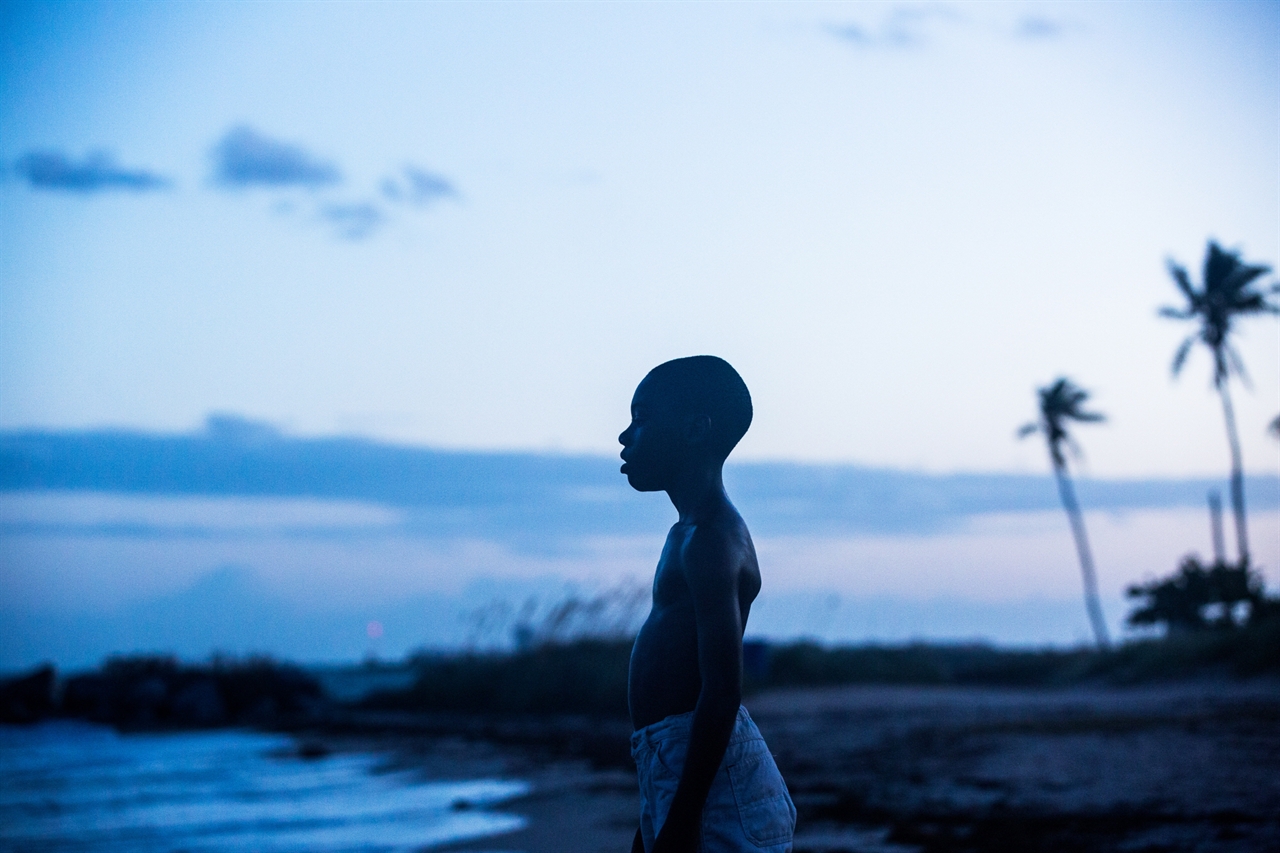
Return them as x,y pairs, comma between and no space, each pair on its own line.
1242,275
1237,365
1274,427
1218,266
1028,429
1176,313
1180,357
1251,303
1181,279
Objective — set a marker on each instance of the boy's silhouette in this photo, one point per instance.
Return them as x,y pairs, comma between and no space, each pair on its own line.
707,781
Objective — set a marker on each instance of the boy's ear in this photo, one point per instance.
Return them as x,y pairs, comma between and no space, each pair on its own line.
697,429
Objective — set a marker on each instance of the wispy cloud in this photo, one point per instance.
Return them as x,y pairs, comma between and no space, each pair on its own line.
353,221
902,27
97,172
242,158
245,158
417,186
1036,27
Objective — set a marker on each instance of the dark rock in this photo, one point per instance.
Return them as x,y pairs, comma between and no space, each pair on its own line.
199,704
145,702
312,750
27,698
148,693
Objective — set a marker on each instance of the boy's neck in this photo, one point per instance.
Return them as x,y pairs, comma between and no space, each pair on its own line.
699,492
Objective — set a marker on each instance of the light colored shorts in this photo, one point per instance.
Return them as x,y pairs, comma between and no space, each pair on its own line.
748,808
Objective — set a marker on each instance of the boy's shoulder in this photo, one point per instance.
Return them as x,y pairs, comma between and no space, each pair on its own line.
717,547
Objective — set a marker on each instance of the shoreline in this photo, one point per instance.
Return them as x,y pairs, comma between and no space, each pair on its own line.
1184,766
1188,765
573,806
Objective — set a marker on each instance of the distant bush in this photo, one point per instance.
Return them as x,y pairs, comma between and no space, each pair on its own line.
586,676
570,655
1199,596
612,615
1247,651
811,664
589,676
1251,650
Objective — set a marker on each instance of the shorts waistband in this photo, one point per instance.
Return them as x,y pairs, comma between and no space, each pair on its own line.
677,727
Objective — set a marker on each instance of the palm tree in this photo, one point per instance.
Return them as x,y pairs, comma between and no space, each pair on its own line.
1227,292
1061,402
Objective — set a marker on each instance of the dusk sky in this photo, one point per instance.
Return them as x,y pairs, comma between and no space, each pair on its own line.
478,225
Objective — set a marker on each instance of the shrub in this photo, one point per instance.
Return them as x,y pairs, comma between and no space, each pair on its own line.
584,676
1197,596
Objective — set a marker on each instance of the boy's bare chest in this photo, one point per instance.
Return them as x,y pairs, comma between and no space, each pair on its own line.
670,586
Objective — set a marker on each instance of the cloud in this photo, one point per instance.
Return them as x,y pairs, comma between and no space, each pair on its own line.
903,27
353,221
523,499
97,172
245,158
1035,27
418,186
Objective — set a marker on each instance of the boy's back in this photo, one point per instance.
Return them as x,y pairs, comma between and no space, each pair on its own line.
707,781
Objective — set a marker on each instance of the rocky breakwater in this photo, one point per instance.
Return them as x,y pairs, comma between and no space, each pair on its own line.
147,693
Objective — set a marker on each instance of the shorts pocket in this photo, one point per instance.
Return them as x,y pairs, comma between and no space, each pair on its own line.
764,807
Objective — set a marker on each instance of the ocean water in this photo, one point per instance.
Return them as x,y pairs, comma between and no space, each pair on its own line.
77,787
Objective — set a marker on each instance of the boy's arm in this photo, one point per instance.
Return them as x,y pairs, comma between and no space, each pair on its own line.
711,566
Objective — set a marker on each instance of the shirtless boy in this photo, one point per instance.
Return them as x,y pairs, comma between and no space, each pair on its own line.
707,781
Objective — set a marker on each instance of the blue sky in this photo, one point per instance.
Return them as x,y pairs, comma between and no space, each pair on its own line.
896,220
477,225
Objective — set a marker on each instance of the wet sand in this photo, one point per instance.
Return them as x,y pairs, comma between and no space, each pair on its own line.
575,805
1178,767
572,809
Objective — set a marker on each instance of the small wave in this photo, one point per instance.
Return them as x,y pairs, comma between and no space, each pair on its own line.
73,787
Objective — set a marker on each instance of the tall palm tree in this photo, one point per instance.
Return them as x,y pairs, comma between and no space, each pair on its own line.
1227,292
1061,402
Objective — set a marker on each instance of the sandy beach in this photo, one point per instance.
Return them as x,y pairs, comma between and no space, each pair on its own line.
1192,766
1176,767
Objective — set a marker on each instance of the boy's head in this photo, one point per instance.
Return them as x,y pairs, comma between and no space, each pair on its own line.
690,411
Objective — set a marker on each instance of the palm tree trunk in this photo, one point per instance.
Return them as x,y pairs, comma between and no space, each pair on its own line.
1215,528
1092,603
1237,475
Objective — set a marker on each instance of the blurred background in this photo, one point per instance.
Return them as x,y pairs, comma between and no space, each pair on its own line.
319,321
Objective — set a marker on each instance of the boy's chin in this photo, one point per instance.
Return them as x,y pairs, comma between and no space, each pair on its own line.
642,484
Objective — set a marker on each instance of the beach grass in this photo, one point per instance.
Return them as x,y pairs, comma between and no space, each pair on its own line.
589,676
